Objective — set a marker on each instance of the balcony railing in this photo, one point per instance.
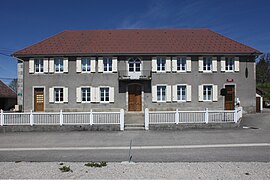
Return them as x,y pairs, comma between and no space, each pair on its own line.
142,75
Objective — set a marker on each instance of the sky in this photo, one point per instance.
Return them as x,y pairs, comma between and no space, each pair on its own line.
25,22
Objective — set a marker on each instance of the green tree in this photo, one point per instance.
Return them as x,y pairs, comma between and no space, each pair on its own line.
13,85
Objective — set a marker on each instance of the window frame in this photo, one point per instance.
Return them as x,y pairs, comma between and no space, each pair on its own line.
160,64
181,95
227,65
132,64
55,97
100,94
207,65
86,65
58,65
181,58
40,65
162,97
107,64
87,92
206,96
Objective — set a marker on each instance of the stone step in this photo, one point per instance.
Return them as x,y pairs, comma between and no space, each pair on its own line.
134,118
134,127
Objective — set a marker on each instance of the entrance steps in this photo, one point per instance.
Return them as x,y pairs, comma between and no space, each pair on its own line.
134,121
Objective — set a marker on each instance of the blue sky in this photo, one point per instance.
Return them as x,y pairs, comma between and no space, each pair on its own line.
24,22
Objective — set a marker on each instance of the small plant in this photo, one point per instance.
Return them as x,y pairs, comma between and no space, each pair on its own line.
94,164
61,163
65,169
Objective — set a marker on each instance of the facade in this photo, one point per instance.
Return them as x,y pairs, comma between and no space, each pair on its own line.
7,97
159,69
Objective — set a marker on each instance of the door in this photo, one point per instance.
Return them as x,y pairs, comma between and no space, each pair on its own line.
38,99
230,97
258,104
134,97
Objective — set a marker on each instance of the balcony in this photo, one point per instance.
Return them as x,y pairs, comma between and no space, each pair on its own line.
141,75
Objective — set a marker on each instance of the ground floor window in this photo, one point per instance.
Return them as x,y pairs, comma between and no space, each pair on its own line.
86,94
161,93
207,92
104,94
181,93
58,95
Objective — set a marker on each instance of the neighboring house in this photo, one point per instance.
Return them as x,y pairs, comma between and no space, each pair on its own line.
159,69
8,97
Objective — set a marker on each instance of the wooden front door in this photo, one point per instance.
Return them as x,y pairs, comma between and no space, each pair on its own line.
134,97
230,97
258,104
39,100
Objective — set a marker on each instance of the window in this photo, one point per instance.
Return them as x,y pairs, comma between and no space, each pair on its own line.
59,64
86,65
181,64
181,93
161,62
39,65
107,63
134,65
207,93
229,64
104,95
58,95
86,94
207,64
161,93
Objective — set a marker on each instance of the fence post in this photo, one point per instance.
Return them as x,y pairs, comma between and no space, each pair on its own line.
61,117
2,118
122,121
91,117
31,118
177,117
235,116
146,119
206,116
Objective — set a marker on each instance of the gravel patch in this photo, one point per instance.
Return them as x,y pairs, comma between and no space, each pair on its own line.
212,170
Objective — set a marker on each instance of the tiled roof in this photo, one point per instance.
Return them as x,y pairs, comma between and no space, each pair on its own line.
6,92
137,41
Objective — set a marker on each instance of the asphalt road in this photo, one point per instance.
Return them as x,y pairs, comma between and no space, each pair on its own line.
201,145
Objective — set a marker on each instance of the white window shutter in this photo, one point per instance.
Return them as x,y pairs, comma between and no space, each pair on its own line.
51,65
114,64
168,93
154,93
174,64
200,64
97,93
188,64
51,95
93,94
223,64
78,94
154,64
236,64
188,93
65,95
65,64
174,92
200,93
93,64
215,93
214,64
78,65
100,64
168,64
111,94
46,65
31,65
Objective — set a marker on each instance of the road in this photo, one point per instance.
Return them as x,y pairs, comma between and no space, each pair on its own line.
200,145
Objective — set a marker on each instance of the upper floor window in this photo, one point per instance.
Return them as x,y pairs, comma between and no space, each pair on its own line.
161,62
104,94
107,64
86,94
181,64
161,93
229,64
181,93
59,64
207,64
38,65
86,65
58,95
134,65
207,93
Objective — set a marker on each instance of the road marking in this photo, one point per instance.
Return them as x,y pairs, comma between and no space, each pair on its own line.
138,147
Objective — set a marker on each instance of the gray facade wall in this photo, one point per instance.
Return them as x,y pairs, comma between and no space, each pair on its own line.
245,87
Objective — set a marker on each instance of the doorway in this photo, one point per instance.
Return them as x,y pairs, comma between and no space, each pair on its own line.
134,97
230,97
39,100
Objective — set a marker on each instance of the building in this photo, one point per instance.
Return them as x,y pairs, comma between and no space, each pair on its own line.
8,97
159,69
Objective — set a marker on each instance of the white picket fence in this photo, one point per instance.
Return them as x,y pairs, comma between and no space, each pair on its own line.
63,118
205,117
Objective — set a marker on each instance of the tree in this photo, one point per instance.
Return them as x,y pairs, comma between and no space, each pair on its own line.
13,85
263,68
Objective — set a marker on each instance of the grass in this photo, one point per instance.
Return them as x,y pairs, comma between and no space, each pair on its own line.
94,164
65,169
